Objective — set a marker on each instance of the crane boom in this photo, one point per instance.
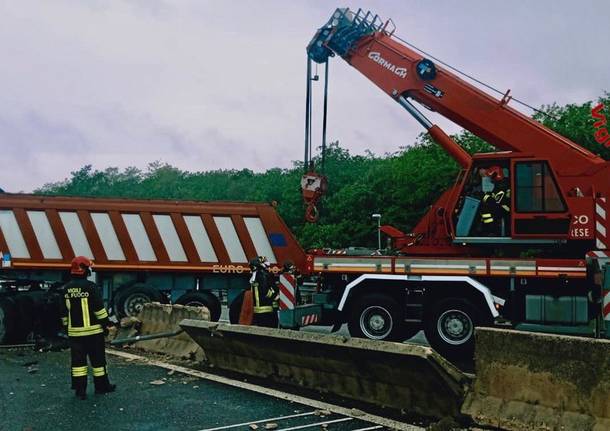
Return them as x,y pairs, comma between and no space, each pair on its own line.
367,44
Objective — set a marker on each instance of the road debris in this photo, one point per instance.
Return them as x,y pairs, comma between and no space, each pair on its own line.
270,426
157,382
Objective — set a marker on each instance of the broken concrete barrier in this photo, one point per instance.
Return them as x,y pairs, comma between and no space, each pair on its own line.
404,377
528,381
158,318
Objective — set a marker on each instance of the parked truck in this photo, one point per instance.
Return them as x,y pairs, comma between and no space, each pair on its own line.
183,252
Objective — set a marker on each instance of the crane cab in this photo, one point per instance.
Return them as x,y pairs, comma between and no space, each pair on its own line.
510,198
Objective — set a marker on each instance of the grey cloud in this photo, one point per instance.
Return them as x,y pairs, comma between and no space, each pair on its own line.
220,84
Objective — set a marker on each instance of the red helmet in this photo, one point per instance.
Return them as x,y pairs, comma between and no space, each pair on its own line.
495,172
80,265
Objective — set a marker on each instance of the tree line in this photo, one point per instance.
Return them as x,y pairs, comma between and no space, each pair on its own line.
400,186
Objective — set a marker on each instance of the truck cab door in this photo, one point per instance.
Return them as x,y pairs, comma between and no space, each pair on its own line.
538,206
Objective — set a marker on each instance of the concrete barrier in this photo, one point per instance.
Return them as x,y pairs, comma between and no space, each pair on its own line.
408,378
157,318
528,381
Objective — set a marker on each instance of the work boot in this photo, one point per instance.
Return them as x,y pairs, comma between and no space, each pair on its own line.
105,390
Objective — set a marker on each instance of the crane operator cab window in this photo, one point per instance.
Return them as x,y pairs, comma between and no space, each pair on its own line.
486,202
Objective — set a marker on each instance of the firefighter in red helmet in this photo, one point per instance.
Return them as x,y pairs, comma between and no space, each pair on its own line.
86,319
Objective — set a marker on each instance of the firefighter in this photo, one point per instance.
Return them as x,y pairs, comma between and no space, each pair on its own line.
86,319
264,293
495,204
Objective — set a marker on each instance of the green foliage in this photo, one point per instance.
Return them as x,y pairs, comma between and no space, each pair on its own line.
400,186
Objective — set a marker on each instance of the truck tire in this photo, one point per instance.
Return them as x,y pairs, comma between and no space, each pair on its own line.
130,300
7,320
376,317
202,299
235,309
24,310
449,327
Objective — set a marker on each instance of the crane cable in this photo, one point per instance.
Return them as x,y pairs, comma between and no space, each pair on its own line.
478,81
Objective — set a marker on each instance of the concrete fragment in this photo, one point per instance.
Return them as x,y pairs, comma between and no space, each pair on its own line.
270,426
157,382
158,318
253,427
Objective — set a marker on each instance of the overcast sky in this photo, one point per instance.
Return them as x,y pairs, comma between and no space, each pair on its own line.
220,84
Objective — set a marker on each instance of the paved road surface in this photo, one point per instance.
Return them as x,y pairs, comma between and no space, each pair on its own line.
42,400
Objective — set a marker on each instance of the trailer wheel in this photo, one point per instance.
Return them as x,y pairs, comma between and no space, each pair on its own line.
24,309
202,299
376,317
7,320
130,301
449,328
235,309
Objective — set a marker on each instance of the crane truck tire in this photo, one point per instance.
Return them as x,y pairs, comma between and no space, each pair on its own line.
7,320
129,301
449,328
377,317
202,299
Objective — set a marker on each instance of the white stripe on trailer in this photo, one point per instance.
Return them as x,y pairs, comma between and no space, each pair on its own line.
108,236
76,234
169,236
139,238
200,237
44,235
230,239
259,238
485,291
12,235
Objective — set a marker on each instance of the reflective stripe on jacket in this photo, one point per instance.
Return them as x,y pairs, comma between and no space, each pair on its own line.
263,291
83,309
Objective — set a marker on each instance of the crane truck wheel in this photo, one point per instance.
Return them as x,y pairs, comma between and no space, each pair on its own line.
202,299
377,317
130,301
449,328
7,320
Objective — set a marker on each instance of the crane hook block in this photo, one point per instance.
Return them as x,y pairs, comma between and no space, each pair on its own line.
313,187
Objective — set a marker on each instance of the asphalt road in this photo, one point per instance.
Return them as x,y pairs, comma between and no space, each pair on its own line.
35,395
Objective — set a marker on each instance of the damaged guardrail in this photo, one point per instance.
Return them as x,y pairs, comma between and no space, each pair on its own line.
156,329
530,381
404,377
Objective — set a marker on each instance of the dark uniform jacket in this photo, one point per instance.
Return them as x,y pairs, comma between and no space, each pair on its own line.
83,309
264,291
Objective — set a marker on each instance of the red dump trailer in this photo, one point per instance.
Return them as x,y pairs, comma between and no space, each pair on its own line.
171,251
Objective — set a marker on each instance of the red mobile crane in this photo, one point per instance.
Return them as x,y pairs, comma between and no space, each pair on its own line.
450,274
